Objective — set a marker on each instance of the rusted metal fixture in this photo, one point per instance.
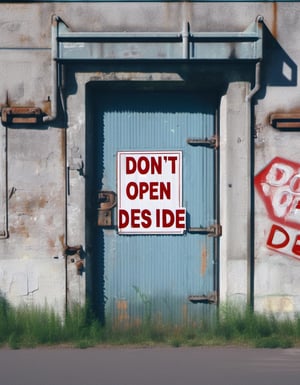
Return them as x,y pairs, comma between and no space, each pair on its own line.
212,142
71,250
21,115
76,252
211,231
210,298
286,121
107,200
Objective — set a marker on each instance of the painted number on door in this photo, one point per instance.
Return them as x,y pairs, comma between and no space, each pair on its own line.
150,192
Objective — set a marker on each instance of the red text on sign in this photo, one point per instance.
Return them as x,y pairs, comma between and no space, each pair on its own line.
151,190
163,218
150,165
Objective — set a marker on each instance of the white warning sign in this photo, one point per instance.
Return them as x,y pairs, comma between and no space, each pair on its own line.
150,192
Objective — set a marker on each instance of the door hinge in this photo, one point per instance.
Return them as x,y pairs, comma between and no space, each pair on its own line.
209,298
212,231
212,142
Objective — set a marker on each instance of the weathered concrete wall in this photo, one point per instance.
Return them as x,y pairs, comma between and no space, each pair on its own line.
276,268
32,256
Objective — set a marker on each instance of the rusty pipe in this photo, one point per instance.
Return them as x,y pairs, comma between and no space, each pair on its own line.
257,84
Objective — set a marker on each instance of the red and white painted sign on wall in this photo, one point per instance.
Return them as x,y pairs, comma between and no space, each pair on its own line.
284,240
150,192
278,184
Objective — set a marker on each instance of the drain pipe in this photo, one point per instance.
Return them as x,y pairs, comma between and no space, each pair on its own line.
54,71
255,89
250,278
257,84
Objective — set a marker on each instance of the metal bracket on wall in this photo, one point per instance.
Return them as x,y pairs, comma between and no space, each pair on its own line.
286,121
212,142
211,298
211,231
21,115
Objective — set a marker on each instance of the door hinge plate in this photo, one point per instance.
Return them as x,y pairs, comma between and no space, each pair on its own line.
211,231
210,298
212,142
21,115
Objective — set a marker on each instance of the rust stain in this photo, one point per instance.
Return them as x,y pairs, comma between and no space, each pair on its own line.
122,311
20,229
51,243
137,322
62,240
47,106
275,14
63,148
122,305
203,261
27,205
42,202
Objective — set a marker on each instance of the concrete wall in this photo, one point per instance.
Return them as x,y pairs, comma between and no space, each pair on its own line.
43,216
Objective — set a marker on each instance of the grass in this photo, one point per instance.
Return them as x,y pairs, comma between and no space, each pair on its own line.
33,326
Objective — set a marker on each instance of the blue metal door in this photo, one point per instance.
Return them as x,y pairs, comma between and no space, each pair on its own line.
164,276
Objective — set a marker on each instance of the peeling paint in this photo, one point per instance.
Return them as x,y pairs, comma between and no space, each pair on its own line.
19,283
204,257
279,304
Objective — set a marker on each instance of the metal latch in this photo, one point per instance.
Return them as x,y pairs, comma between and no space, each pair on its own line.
211,231
107,200
209,298
212,142
21,115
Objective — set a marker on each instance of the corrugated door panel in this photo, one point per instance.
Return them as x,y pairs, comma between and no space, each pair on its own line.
153,275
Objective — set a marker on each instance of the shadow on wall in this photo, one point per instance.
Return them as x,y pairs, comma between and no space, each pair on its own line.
278,69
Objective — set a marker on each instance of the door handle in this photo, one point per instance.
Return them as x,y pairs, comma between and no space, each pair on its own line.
107,200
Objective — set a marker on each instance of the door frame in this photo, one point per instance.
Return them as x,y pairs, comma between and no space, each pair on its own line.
235,268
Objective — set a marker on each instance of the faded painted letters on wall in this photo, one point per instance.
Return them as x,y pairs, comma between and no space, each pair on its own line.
278,184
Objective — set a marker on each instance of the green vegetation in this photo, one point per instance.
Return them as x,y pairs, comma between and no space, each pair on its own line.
31,327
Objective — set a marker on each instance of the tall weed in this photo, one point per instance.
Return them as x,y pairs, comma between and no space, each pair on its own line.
29,326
